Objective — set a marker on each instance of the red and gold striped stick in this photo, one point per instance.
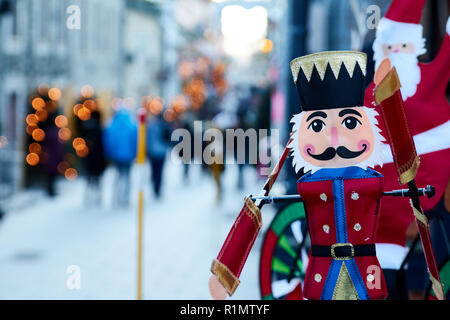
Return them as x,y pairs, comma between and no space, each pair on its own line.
387,94
232,257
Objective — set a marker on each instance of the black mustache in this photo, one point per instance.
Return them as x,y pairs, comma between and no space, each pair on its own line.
341,151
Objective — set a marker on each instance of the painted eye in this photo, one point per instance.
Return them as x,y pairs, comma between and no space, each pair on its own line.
350,123
317,125
404,45
389,47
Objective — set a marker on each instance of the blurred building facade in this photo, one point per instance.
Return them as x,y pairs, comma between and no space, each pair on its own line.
116,49
143,37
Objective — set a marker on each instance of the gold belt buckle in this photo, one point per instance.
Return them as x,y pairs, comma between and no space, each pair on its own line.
342,245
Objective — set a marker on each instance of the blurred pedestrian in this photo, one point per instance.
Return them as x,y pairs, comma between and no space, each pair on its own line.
52,153
186,122
243,116
158,137
90,129
217,167
217,150
120,144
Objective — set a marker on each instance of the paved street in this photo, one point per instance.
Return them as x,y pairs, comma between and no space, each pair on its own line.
42,237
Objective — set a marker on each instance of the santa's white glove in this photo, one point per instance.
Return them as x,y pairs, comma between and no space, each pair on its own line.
448,26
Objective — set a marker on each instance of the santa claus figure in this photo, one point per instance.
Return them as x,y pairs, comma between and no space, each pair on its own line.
399,42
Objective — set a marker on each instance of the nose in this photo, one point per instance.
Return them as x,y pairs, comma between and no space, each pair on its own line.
396,50
334,137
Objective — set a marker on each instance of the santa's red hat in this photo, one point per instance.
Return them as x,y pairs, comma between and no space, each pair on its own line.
401,22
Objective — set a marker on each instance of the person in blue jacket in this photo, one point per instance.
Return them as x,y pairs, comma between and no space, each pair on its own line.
120,141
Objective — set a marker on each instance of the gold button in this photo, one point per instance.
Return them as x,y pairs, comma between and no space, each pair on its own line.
326,228
323,196
370,277
317,277
355,195
357,227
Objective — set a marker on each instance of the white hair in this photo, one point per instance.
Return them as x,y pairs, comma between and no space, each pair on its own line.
406,64
391,32
376,158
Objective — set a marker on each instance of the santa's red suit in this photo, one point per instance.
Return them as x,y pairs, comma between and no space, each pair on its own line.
428,113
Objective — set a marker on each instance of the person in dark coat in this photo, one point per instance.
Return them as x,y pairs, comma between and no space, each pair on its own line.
53,153
158,135
94,162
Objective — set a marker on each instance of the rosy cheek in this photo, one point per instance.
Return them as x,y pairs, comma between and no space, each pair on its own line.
309,147
362,143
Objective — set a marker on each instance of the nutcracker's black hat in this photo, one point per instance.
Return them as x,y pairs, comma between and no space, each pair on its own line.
330,79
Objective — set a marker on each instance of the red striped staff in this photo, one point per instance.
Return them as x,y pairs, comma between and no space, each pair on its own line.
228,265
388,97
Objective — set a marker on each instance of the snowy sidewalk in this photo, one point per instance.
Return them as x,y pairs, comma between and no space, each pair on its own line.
183,233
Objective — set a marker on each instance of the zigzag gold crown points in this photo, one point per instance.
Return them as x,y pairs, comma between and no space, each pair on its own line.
334,58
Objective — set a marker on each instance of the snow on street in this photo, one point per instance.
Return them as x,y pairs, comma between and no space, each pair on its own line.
41,237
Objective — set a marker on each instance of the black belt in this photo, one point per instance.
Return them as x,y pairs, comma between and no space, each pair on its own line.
343,251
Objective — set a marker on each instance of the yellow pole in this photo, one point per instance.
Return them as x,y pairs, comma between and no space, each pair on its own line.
140,161
140,214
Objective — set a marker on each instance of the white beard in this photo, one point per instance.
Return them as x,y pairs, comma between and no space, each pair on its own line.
408,71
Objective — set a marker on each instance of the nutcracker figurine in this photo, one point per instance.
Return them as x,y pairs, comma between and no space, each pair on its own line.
335,139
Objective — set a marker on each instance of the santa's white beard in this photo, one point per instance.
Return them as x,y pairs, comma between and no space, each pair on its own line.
408,71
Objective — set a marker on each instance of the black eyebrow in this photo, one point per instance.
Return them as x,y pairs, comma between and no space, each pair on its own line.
317,114
349,111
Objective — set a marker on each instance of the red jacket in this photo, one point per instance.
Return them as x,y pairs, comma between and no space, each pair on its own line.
342,207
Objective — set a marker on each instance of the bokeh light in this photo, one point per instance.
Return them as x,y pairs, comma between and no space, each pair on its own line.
77,142
154,105
90,104
179,104
61,121
32,120
64,134
71,174
3,142
38,134
38,103
169,115
41,115
82,151
77,108
266,46
87,91
54,94
30,129
35,148
32,159
84,114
